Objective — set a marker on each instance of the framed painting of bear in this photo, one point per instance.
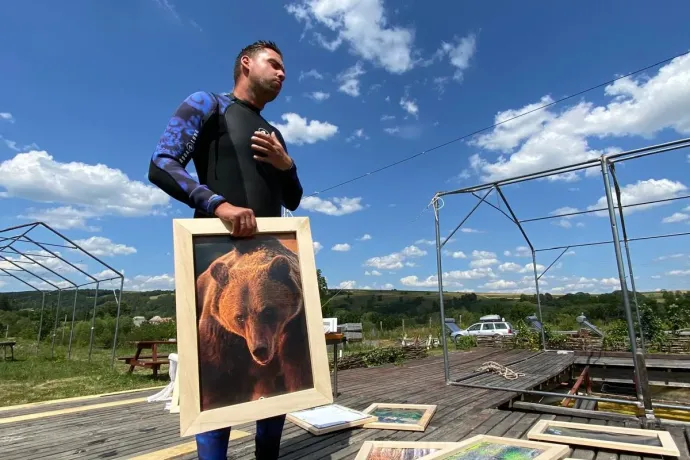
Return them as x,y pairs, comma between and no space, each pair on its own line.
249,325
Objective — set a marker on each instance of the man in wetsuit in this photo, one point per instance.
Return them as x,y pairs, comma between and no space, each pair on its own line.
244,173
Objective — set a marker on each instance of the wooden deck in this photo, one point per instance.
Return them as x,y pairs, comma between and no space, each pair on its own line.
124,426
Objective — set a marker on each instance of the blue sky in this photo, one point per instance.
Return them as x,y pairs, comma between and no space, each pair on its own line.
88,88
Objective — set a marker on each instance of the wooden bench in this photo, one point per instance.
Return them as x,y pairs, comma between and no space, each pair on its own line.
154,362
10,345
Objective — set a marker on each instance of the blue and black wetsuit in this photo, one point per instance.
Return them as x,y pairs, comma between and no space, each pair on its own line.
214,131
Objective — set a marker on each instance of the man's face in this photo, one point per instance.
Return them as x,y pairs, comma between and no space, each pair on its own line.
266,72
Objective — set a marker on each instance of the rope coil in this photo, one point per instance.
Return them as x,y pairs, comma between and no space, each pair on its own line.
501,370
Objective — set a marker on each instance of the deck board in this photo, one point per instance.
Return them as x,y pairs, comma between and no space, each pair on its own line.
131,430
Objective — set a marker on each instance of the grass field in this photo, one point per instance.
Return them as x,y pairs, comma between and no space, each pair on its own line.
36,377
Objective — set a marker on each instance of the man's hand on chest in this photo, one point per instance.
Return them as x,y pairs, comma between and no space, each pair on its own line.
273,150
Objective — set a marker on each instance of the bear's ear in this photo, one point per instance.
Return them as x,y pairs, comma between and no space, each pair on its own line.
279,269
219,271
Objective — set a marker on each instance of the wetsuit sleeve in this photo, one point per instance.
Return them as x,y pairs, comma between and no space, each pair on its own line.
175,150
291,185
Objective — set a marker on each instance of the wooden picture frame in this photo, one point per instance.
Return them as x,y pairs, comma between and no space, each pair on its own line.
345,418
427,411
251,307
665,443
551,451
369,447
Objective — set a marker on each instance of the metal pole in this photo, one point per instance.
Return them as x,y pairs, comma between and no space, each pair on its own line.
40,322
536,286
71,329
642,386
57,311
446,369
627,255
117,320
93,322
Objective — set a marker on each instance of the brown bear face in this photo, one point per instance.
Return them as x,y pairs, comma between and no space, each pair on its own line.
258,298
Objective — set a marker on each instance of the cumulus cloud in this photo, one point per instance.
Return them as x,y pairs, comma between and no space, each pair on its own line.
101,246
341,247
333,207
395,260
296,130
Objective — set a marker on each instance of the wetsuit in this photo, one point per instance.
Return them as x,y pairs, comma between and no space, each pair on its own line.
214,131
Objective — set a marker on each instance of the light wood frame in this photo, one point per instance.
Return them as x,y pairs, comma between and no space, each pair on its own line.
551,451
668,445
429,410
192,419
340,426
368,446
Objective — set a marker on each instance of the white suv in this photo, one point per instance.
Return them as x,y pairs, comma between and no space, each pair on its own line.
486,329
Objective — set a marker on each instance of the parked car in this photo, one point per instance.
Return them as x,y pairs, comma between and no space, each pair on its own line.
485,329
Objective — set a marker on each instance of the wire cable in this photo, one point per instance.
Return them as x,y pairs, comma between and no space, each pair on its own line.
424,152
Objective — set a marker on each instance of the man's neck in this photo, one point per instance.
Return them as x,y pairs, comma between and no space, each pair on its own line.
245,93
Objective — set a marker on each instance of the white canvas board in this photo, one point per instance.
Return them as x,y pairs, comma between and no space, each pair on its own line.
330,325
332,414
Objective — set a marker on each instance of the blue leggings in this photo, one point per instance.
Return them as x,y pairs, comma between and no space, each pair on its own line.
213,445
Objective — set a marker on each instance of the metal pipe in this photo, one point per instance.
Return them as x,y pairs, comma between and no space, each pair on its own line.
466,217
93,321
40,322
495,207
117,321
642,385
71,329
515,219
617,189
536,288
552,263
57,311
642,238
40,245
446,368
43,266
546,393
653,149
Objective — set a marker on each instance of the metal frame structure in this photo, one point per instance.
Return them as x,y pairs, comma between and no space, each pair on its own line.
7,246
606,163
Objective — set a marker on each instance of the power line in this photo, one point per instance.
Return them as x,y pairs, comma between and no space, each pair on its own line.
424,152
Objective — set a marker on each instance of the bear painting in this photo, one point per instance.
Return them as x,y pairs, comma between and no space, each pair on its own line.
252,327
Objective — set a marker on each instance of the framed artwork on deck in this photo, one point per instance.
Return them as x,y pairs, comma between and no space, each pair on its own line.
389,416
637,440
249,324
400,450
485,447
326,419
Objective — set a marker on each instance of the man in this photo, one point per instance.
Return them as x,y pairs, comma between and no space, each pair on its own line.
244,173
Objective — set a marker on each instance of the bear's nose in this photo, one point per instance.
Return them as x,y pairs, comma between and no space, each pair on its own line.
261,352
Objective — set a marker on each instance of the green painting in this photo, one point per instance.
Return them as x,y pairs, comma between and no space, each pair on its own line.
400,415
485,450
398,453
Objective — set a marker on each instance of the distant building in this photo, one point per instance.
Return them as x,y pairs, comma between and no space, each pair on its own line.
138,320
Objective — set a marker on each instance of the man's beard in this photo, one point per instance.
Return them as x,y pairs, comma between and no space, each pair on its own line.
265,88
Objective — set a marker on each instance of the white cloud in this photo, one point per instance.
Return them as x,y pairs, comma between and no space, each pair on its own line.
409,106
469,230
319,96
387,117
296,130
87,190
678,273
312,73
334,207
357,134
363,26
365,237
341,247
676,217
500,284
395,260
459,53
102,246
6,116
640,192
350,284
317,247
547,139
62,218
458,255
509,267
349,80
450,279
373,273
150,282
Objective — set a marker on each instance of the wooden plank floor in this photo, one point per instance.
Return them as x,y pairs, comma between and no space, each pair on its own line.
650,363
129,430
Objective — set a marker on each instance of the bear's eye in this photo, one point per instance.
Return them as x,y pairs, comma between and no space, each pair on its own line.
239,318
268,314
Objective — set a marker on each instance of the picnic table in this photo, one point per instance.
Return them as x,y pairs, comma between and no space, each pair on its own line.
155,361
8,344
335,338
